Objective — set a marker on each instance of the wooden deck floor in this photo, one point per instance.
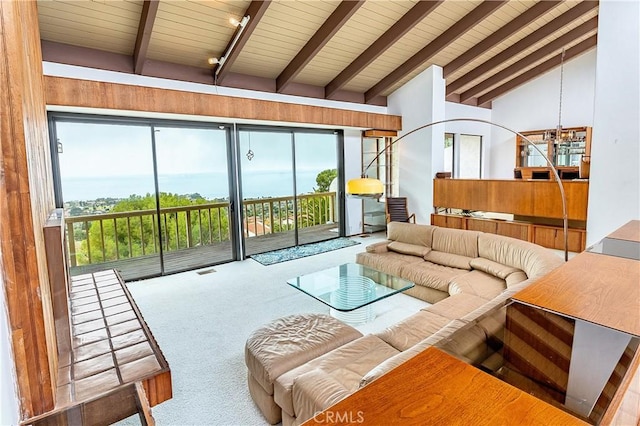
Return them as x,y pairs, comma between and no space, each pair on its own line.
200,257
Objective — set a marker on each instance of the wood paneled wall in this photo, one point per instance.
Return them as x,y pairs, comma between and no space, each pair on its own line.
26,198
95,94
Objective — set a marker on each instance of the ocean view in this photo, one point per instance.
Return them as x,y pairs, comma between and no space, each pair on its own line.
208,185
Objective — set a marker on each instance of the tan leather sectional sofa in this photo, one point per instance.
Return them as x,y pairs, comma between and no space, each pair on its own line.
468,277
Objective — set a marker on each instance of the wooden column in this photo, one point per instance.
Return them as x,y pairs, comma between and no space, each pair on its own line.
26,198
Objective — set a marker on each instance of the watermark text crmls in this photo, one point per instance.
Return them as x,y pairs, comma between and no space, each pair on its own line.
348,417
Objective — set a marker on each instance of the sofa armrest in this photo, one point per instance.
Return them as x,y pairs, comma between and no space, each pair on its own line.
380,247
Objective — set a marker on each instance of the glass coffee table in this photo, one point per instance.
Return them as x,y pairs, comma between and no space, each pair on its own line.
350,289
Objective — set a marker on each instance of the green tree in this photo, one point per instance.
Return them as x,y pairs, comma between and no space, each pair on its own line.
136,234
324,179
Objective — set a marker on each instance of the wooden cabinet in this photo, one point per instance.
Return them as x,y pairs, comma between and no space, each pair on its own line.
534,206
553,237
517,230
543,235
447,221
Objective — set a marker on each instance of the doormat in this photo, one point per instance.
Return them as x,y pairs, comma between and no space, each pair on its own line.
292,253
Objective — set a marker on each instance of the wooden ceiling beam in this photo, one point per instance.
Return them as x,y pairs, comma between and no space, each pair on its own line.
329,28
145,27
535,72
528,16
384,42
485,9
523,44
526,62
255,11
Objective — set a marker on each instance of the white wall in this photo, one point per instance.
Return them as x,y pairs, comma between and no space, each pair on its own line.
455,110
614,190
421,154
534,106
9,411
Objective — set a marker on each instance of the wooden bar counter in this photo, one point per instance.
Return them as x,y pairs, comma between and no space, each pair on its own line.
532,198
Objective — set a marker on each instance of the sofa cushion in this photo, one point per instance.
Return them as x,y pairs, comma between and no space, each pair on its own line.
314,392
429,274
477,283
493,268
410,233
410,249
534,260
449,259
346,364
391,363
379,247
456,241
428,294
390,262
497,302
413,329
456,306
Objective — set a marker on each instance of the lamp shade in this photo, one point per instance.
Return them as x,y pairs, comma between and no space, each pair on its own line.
365,188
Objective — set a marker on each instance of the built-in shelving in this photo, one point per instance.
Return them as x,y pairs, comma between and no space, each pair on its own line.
568,149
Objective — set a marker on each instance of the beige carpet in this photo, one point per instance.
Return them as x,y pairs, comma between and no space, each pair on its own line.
201,323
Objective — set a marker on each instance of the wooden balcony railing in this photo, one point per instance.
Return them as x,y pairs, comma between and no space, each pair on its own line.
121,235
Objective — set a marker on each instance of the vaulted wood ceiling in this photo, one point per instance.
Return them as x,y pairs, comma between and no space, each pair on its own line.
358,51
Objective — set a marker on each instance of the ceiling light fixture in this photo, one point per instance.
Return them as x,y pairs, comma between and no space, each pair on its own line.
219,62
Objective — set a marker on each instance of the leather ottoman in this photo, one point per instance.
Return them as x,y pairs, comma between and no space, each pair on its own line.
285,344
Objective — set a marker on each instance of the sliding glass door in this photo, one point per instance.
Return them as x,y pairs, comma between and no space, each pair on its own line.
143,197
150,197
289,187
107,180
268,188
193,196
316,167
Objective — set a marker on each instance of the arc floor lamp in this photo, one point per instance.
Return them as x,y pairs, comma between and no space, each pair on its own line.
365,187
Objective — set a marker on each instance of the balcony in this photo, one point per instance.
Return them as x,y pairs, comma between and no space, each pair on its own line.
193,236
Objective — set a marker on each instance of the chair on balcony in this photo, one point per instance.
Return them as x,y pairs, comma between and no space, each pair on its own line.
396,210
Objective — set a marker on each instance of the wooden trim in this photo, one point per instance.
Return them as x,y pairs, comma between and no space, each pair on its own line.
96,94
374,133
26,198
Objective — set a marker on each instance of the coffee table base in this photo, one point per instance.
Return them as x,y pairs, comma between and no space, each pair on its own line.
358,316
